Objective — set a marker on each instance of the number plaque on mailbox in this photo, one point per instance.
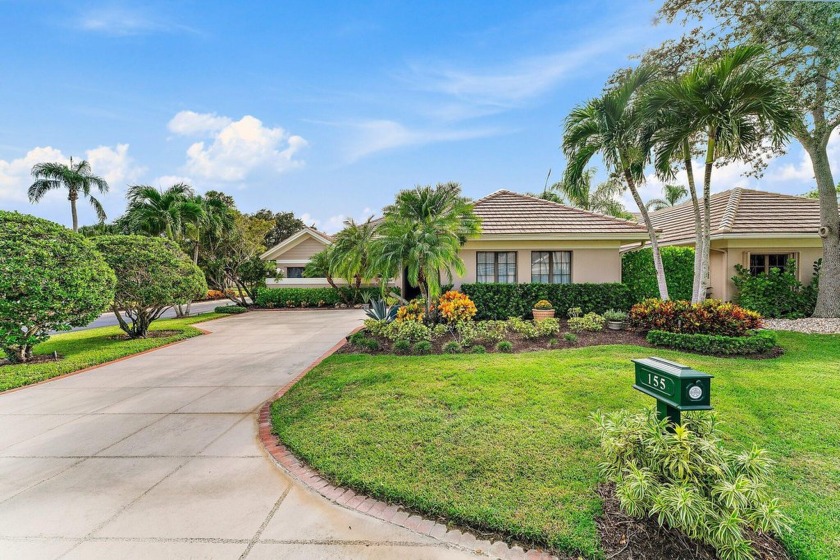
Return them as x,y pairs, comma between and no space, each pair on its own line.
674,386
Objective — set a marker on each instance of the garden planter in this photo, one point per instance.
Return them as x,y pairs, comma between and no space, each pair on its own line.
615,325
540,314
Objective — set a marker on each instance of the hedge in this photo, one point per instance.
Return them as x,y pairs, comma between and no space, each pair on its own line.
230,309
756,342
500,301
638,274
311,297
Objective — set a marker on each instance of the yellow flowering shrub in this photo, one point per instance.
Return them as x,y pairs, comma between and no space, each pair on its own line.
414,310
456,307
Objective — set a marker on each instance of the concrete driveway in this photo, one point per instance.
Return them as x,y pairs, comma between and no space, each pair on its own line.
157,457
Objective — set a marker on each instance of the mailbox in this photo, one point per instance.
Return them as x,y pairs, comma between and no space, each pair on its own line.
675,387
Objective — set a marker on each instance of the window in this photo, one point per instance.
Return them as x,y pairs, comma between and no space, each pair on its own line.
551,267
496,267
763,263
294,272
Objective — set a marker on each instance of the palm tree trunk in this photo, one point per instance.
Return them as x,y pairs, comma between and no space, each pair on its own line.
73,196
707,216
654,243
828,297
698,223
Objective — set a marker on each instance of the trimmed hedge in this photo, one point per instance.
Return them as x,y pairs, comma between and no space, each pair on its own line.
500,301
311,297
231,309
755,342
638,274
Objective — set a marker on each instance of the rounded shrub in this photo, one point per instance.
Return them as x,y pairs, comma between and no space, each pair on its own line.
452,347
402,346
231,309
478,349
504,346
51,279
153,274
570,337
422,348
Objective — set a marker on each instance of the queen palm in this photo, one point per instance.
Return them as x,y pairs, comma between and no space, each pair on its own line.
423,232
732,105
77,178
351,257
166,213
615,126
671,196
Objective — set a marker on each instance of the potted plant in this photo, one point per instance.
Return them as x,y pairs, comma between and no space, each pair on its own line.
543,310
615,319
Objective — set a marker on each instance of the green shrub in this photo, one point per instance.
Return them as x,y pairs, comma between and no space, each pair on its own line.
615,315
709,317
231,309
570,337
51,279
357,338
488,332
376,327
500,301
638,274
478,349
591,322
152,274
757,342
422,348
452,347
311,297
360,340
408,330
776,293
686,479
440,330
402,346
505,346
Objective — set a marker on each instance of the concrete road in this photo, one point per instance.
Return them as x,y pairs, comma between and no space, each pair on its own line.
109,320
157,456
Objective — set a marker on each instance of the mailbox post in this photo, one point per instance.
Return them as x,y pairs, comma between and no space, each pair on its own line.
675,387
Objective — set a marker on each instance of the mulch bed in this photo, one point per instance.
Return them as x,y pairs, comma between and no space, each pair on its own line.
627,538
149,334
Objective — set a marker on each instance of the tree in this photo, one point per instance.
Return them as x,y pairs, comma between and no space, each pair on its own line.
423,232
160,212
804,46
671,196
602,199
51,279
350,257
815,193
77,178
286,224
319,267
614,125
153,274
733,104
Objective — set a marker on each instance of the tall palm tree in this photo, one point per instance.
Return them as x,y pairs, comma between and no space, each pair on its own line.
602,199
351,257
671,196
731,105
319,267
166,213
615,126
423,232
77,178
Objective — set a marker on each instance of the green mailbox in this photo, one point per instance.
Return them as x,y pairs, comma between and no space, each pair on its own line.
674,386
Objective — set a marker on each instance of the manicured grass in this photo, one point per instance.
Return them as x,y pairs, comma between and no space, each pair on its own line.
83,349
504,442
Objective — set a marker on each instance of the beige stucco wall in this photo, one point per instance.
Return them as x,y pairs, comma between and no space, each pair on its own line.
302,251
592,261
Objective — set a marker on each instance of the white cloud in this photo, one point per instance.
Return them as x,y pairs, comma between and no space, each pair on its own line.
15,175
235,149
166,181
122,21
335,223
114,165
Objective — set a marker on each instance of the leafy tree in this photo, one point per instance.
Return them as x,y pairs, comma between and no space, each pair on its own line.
804,45
319,267
286,224
671,196
153,274
602,199
350,257
77,178
614,125
51,279
423,232
815,193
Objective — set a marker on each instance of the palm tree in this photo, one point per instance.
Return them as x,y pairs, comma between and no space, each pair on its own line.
351,253
615,126
731,105
77,178
166,213
671,196
423,232
319,267
601,199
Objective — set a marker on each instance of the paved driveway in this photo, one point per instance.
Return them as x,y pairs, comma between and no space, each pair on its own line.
157,457
108,319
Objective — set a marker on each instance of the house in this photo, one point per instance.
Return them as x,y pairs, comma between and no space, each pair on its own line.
756,229
293,254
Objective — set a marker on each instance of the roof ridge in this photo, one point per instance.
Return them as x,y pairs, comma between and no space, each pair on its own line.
491,195
728,218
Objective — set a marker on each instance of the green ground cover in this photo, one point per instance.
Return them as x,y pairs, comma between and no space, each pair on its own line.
87,348
504,442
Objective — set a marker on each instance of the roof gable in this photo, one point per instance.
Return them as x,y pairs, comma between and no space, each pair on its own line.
302,234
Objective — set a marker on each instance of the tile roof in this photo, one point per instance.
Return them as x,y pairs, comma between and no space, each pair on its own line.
506,212
742,212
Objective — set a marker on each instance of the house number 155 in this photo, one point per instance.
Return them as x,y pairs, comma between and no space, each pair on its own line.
656,381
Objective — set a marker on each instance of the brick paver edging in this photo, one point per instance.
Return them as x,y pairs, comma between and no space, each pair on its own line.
390,513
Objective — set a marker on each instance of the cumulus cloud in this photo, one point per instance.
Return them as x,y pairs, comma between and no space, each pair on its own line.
235,149
114,165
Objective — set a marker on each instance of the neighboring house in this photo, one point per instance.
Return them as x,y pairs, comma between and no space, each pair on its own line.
293,254
756,229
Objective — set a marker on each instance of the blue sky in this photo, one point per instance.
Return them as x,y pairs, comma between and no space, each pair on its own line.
322,108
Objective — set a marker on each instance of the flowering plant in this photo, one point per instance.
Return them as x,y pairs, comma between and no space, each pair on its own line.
455,307
543,304
412,311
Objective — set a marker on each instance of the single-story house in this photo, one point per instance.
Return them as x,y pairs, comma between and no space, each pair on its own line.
756,229
293,254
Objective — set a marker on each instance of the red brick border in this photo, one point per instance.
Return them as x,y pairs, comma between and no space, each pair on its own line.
391,513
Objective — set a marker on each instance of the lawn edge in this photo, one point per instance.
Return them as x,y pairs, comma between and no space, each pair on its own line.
456,537
201,332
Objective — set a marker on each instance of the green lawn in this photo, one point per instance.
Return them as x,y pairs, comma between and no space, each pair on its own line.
504,442
83,349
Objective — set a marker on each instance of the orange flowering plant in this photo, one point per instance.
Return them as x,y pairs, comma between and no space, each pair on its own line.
412,311
456,307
